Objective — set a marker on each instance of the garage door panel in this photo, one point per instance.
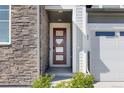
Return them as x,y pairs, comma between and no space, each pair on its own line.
107,57
108,76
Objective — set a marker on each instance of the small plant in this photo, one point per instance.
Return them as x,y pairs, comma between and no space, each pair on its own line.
81,80
44,81
63,84
89,80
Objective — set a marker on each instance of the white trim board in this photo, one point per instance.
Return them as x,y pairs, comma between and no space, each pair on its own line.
74,56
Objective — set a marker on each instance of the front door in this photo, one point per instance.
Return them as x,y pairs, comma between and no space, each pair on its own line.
59,46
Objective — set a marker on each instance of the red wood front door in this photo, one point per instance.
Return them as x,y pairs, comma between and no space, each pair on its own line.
59,46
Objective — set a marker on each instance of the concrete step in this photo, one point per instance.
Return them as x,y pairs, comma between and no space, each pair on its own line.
61,74
58,79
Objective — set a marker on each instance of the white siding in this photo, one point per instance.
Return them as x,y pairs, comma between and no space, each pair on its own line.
80,38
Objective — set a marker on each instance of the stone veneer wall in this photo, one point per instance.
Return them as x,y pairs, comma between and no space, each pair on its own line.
18,61
44,39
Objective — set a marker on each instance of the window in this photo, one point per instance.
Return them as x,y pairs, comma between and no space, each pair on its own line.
4,25
105,33
121,33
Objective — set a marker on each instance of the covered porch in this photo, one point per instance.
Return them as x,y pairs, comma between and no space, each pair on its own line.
64,52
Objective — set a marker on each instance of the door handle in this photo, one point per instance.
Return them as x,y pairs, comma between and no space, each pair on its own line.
53,48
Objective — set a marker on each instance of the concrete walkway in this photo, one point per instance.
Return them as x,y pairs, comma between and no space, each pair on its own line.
109,84
60,74
59,79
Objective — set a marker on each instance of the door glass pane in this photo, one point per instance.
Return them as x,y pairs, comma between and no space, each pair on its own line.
59,41
121,33
105,33
59,57
59,49
59,33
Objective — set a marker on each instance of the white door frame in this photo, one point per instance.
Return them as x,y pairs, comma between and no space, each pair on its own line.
68,47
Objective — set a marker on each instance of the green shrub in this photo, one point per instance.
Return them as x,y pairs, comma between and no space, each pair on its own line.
89,80
44,81
63,84
81,80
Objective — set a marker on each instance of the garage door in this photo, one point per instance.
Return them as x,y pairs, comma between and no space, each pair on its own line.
107,55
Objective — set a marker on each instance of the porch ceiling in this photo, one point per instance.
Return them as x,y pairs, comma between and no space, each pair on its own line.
60,16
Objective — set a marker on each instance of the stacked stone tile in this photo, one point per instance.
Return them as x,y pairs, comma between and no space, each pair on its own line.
18,61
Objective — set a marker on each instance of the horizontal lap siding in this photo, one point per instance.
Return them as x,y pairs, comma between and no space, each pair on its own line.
79,37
